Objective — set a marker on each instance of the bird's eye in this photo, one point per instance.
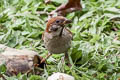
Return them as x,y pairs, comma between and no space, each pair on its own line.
57,21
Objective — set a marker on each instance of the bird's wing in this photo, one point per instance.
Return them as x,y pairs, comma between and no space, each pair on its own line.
70,33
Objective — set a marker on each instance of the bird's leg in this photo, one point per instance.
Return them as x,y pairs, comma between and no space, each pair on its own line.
48,55
67,59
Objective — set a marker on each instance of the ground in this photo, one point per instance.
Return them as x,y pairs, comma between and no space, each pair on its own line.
95,50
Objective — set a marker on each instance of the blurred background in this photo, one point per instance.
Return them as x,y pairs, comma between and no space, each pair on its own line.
95,50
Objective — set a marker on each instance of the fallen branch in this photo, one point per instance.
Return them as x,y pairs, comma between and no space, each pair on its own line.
19,61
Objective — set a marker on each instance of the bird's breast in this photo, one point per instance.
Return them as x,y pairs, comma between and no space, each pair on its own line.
57,44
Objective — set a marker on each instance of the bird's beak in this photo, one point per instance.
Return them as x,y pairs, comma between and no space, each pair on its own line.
67,21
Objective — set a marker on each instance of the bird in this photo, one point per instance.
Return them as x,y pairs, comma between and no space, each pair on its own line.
57,38
70,6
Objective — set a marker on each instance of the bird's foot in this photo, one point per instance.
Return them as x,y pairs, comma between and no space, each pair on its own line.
44,59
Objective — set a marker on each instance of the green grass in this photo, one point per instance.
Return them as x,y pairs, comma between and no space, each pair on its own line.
95,51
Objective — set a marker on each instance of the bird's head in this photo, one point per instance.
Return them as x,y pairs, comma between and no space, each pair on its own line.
56,24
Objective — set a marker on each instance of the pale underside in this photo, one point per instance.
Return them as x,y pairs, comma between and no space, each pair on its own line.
57,44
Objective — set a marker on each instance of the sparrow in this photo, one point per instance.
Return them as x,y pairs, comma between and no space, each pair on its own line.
57,38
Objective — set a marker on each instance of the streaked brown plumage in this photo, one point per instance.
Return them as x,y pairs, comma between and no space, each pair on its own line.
57,38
